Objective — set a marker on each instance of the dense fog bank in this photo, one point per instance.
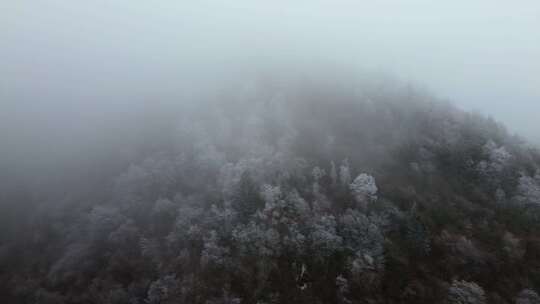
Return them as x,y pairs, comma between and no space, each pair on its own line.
482,55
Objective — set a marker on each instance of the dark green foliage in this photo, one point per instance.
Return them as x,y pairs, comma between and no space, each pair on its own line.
417,236
246,199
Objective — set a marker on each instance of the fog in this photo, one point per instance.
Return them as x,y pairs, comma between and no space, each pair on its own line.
285,151
72,71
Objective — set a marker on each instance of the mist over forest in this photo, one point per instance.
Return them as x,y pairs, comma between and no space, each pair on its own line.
287,152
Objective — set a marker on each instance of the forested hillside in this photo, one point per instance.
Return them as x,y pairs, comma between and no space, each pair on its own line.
284,192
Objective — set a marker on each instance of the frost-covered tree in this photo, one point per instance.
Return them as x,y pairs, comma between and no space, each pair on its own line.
125,236
283,208
345,173
342,290
364,241
495,169
213,253
417,236
246,199
187,228
277,229
527,296
317,174
333,174
149,180
151,249
361,233
500,196
256,239
529,190
221,219
364,188
463,292
285,213
324,238
163,216
163,290
164,208
76,259
103,220
499,157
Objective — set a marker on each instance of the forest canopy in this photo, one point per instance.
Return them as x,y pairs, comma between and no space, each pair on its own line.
351,190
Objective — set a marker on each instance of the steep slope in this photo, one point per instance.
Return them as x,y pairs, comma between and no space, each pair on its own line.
294,192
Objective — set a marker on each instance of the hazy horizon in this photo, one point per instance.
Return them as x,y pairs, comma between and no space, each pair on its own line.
75,60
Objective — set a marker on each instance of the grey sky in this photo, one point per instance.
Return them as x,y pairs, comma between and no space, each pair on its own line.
67,56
